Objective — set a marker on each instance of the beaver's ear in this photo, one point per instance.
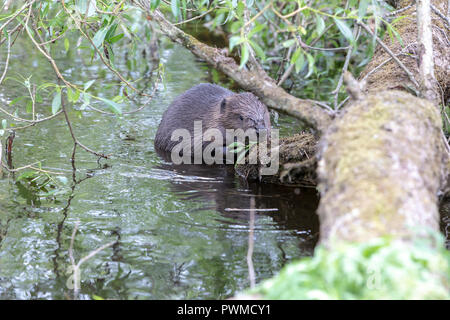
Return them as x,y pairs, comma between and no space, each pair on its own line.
223,105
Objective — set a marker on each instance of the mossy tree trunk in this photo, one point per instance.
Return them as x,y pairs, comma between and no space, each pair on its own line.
380,169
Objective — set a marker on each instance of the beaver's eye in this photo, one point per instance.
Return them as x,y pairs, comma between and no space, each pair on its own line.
241,118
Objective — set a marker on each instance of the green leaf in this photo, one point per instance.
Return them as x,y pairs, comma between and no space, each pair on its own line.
115,107
234,41
362,9
154,4
175,6
299,60
29,106
391,35
56,103
397,35
296,55
14,101
288,43
86,101
4,123
66,44
111,31
255,30
258,50
88,84
320,24
99,37
310,64
115,38
345,30
244,55
69,94
240,156
72,96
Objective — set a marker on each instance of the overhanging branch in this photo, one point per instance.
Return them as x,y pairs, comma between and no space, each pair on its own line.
256,81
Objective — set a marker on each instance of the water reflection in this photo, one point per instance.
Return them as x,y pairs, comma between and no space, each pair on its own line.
218,188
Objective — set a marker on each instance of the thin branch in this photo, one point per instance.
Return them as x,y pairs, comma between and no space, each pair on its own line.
76,267
30,166
7,60
428,87
194,18
106,63
356,32
74,138
252,62
402,53
25,6
441,15
396,12
251,241
386,48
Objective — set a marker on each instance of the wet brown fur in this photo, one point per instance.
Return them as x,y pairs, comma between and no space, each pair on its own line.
216,107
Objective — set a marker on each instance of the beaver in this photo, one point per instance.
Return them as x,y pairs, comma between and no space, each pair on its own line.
217,108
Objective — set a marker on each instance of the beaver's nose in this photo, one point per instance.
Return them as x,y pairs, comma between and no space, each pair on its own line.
259,128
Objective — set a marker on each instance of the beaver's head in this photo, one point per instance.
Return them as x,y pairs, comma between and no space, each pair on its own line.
244,111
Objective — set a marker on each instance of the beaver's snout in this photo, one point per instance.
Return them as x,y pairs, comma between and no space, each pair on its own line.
260,127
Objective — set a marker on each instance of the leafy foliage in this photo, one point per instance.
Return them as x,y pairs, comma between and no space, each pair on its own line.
381,269
313,37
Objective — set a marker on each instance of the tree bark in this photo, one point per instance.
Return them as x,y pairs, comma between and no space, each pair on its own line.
381,169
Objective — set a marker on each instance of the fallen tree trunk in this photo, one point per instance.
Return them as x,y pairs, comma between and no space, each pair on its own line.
382,161
380,169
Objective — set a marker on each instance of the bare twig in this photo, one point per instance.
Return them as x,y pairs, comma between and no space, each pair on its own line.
7,60
30,166
389,51
402,53
18,12
356,32
441,15
74,138
396,12
106,63
252,62
76,266
251,241
428,87
195,18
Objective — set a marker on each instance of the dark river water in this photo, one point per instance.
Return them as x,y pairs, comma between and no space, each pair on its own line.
175,236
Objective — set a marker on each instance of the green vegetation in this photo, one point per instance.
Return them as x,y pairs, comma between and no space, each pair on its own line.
380,269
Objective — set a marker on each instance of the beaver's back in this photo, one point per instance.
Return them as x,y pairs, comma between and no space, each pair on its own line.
197,103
